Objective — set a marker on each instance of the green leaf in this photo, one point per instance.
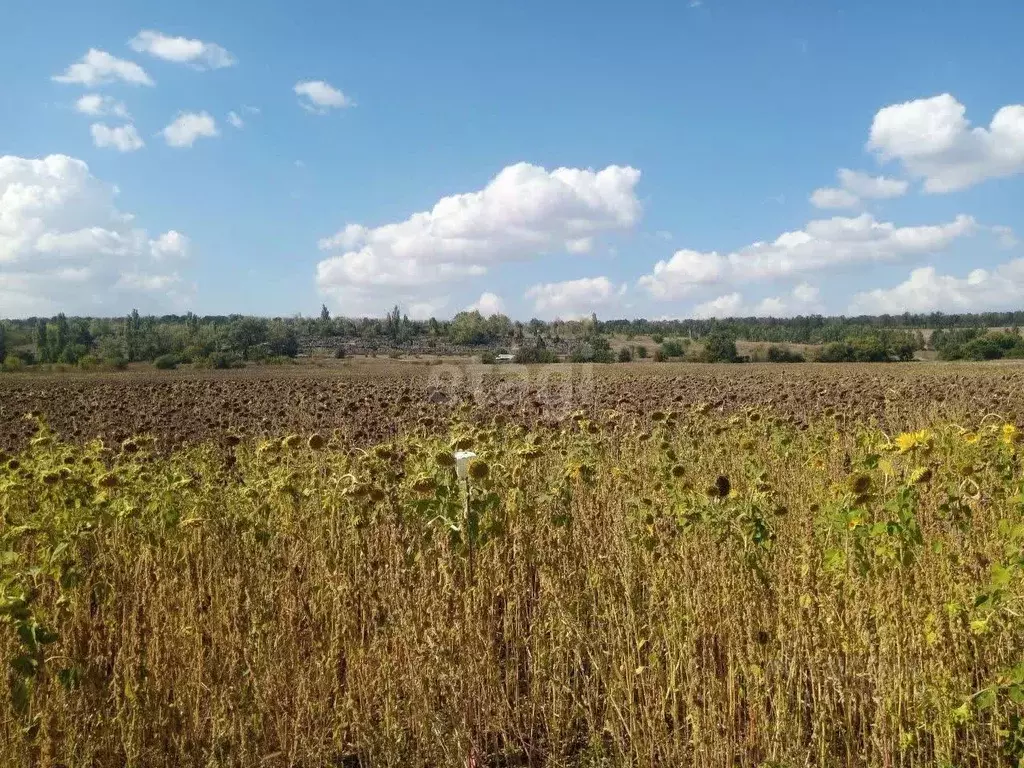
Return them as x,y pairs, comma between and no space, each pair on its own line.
1000,576
70,677
45,636
25,665
21,694
985,699
27,635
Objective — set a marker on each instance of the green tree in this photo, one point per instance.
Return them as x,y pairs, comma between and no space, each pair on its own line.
282,339
720,347
3,342
63,334
245,334
133,336
42,351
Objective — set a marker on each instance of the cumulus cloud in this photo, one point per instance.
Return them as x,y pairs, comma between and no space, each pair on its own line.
573,298
933,140
926,290
123,138
488,304
830,197
97,105
872,187
189,126
318,96
64,245
855,186
99,67
182,50
1007,237
523,212
803,300
170,245
822,244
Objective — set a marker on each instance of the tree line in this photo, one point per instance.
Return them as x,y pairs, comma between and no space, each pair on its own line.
228,340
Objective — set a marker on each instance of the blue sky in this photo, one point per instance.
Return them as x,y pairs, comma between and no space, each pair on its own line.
690,131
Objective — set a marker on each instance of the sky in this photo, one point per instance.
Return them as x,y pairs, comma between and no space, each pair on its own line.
695,158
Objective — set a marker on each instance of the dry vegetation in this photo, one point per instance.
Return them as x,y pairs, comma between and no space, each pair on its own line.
787,566
369,402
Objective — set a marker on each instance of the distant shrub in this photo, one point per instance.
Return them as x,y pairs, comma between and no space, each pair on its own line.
780,354
90,363
12,364
72,353
220,361
671,348
339,353
195,352
531,355
115,361
719,347
640,352
659,355
279,360
166,363
487,357
596,350
657,338
625,355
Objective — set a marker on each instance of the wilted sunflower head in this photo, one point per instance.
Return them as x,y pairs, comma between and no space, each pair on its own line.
444,459
424,484
292,441
479,469
678,471
860,484
723,486
316,441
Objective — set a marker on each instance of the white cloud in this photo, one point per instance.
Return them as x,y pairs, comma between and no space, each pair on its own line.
802,301
170,245
488,304
99,67
97,105
856,185
64,246
822,244
123,138
318,96
830,197
1007,237
189,126
728,305
573,298
235,120
872,187
933,140
523,212
926,290
182,50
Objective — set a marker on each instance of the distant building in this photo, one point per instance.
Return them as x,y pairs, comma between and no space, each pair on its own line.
504,358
